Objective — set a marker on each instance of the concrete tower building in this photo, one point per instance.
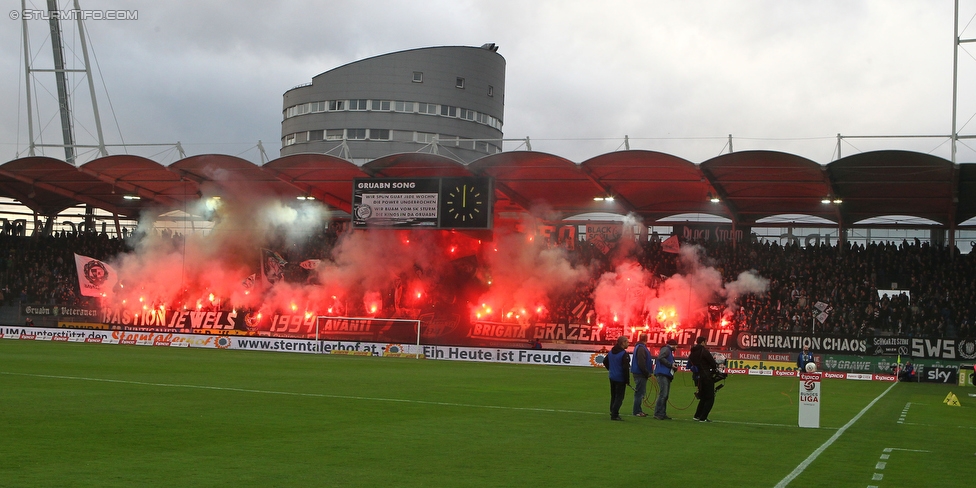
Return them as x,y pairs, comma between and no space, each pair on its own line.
445,100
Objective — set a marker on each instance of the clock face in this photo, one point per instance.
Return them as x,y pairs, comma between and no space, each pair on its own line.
466,203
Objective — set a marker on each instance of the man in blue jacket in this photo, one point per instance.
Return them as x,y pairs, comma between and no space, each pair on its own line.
803,358
664,369
618,362
641,368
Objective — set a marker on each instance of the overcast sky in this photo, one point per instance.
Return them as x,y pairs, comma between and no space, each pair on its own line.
676,77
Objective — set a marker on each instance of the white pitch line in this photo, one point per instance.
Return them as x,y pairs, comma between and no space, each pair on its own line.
761,424
823,447
289,393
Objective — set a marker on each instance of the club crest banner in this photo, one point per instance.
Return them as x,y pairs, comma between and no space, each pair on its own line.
95,278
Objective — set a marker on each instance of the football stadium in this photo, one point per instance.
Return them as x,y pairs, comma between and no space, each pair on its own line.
327,318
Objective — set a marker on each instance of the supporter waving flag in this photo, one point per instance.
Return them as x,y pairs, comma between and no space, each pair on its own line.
671,245
95,278
272,266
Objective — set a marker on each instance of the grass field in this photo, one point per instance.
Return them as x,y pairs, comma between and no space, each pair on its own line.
74,414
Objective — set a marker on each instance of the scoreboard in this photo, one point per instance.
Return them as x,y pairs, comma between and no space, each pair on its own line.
434,203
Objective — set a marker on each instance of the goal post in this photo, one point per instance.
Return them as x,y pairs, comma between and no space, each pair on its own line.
367,329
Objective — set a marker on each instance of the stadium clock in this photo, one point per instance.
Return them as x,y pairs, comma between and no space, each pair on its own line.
466,203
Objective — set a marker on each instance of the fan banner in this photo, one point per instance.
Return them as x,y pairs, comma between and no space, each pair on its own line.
95,278
671,245
272,266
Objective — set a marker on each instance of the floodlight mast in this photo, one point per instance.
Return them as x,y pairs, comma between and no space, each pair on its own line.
955,78
60,75
27,57
61,78
91,83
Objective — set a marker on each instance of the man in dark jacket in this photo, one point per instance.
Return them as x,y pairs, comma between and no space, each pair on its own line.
641,368
617,361
664,369
907,373
702,360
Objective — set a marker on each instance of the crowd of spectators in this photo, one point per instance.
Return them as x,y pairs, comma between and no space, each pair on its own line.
833,290
41,270
844,281
822,289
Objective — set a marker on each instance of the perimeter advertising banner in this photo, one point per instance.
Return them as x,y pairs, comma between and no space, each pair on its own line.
453,327
504,355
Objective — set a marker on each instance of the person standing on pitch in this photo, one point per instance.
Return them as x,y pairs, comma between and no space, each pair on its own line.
664,369
617,361
803,358
641,369
702,359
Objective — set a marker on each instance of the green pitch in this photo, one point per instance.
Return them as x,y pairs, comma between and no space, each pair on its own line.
98,415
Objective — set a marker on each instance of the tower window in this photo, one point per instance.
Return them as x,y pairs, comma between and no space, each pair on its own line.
491,91
399,106
379,134
459,83
418,77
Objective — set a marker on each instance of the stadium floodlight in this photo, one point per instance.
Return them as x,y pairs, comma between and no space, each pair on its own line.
825,201
131,197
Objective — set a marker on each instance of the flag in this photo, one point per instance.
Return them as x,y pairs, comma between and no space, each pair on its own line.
671,245
272,266
310,263
95,278
248,282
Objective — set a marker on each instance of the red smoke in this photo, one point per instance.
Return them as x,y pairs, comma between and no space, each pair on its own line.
399,273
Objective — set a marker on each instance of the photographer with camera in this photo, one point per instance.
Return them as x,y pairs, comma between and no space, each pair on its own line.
701,360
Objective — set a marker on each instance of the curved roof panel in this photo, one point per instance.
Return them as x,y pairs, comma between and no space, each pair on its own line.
142,177
752,185
758,184
64,185
327,178
533,179
880,183
966,194
654,185
222,174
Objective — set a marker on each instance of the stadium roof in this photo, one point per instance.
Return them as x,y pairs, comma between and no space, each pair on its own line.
749,186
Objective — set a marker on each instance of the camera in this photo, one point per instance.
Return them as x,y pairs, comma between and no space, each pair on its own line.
718,376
